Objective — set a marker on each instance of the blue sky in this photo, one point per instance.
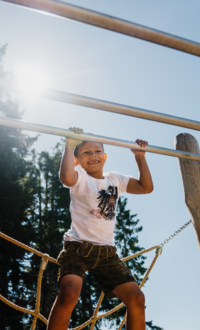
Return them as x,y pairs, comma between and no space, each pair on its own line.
90,61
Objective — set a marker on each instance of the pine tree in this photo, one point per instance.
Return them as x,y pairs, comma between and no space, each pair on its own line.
52,219
16,198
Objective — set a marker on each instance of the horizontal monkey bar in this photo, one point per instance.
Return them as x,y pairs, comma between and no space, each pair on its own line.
111,23
107,106
96,138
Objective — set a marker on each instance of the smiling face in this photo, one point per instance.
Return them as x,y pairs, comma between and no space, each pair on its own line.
92,158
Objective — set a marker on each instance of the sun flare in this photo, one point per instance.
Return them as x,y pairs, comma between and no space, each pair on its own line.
30,80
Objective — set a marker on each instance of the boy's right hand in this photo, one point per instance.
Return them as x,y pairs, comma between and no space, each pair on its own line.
72,143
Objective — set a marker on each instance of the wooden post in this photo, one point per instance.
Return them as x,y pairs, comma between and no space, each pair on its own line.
190,173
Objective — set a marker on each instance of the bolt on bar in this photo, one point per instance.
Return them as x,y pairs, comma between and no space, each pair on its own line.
111,23
107,106
96,138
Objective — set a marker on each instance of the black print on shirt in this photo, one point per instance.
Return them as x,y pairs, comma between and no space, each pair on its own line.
107,202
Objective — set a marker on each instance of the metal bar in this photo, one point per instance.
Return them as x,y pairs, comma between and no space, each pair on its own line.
96,138
111,23
107,106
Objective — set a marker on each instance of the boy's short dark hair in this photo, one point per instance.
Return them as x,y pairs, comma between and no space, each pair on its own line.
81,144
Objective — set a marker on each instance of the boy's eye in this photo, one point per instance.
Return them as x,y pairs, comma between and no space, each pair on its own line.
86,152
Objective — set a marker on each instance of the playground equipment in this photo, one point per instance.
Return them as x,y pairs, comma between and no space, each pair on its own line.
45,258
187,152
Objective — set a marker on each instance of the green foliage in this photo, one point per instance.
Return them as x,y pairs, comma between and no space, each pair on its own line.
152,327
52,219
126,239
16,198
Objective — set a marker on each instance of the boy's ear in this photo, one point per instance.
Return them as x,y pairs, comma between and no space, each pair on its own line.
105,157
76,161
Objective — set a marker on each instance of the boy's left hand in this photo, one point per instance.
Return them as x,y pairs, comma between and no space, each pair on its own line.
142,144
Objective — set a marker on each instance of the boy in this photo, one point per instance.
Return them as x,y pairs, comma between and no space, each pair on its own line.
89,243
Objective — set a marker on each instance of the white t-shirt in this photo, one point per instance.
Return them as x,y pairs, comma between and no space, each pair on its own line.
93,207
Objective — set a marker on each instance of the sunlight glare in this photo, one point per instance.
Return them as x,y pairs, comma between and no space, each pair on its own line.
30,80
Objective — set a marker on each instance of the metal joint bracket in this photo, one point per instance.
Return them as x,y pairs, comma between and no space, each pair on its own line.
159,251
43,264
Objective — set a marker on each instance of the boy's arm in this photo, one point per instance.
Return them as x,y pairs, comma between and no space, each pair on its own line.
68,175
144,184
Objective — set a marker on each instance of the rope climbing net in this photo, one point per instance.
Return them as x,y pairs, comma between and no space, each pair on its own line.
45,258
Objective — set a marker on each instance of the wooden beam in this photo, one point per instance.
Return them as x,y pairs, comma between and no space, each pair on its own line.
190,173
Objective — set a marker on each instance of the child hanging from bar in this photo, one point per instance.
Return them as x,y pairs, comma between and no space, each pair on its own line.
89,243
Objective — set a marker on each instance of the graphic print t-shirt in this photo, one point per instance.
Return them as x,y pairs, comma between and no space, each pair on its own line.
93,207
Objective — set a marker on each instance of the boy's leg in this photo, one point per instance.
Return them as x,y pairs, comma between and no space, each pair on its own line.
133,298
70,288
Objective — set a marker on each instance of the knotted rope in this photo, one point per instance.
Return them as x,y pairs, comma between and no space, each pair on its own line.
45,258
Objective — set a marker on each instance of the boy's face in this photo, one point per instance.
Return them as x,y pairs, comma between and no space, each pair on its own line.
91,157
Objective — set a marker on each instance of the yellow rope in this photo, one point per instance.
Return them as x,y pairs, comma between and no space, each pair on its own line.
141,252
94,318
26,247
141,285
36,314
21,309
96,311
123,321
38,294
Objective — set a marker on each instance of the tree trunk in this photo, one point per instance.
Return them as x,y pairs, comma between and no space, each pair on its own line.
190,173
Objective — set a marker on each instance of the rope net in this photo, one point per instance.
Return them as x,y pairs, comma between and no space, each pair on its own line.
45,258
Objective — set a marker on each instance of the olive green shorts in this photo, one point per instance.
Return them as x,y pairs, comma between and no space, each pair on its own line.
101,261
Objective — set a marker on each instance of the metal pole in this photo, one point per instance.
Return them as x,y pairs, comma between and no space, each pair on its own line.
107,106
111,23
96,138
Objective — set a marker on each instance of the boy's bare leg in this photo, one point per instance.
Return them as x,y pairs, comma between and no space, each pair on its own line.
133,298
70,288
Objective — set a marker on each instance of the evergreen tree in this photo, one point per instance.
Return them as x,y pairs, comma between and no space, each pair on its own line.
152,327
16,196
126,239
52,219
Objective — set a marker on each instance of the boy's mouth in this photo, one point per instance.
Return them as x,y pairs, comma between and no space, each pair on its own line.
93,162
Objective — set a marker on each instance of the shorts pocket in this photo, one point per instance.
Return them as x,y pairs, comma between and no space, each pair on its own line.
84,250
112,252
